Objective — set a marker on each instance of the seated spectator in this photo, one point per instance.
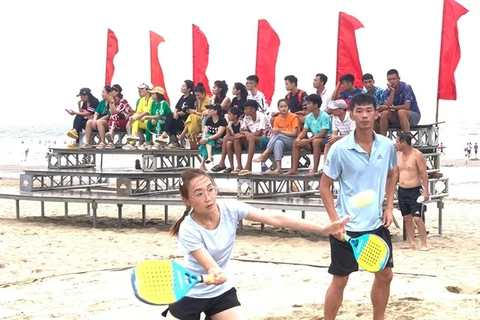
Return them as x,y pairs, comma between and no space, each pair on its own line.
156,120
120,112
319,83
240,96
144,104
212,137
317,122
174,123
86,108
401,108
371,89
254,135
255,94
296,98
285,130
233,127
348,89
193,123
99,122
219,95
342,124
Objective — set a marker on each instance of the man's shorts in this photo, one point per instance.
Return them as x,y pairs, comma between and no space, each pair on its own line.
407,201
414,119
191,308
263,144
342,259
324,141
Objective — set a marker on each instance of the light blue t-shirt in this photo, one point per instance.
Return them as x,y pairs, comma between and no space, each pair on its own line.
316,125
357,171
219,243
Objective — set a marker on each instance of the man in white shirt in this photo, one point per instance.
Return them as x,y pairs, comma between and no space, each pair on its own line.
342,124
254,94
319,85
254,135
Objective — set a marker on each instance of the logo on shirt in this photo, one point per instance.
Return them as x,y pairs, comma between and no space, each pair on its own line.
327,163
379,157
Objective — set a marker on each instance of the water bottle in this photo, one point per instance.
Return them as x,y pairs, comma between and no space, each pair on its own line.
264,166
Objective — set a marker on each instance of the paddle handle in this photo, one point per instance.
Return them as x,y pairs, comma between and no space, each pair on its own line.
208,279
346,237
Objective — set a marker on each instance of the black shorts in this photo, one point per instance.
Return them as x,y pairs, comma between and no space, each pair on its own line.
324,141
342,259
191,308
407,201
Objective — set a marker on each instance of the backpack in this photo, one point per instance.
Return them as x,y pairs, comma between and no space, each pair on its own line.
299,96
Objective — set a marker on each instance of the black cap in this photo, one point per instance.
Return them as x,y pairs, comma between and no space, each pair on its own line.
83,92
215,106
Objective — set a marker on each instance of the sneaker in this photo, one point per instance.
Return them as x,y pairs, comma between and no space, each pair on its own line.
145,146
161,139
110,146
129,146
72,134
133,137
156,146
109,137
86,146
172,146
101,145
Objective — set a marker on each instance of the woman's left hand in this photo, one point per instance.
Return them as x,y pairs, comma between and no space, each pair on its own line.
335,226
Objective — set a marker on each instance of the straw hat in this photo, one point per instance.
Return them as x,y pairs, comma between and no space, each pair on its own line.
159,90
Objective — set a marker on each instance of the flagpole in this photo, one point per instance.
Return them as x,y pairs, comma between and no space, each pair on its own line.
436,113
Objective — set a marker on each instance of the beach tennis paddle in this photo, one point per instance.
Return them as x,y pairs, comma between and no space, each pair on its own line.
370,251
162,282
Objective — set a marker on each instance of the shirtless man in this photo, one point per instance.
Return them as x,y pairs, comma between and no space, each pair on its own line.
412,177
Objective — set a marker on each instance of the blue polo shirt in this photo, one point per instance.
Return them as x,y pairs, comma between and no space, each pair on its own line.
358,171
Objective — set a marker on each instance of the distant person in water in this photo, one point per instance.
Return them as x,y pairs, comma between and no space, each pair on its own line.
137,165
441,148
26,153
475,147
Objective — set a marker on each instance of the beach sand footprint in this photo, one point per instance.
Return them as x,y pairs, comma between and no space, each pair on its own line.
463,289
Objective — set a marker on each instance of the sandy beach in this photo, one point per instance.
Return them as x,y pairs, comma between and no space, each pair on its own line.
58,267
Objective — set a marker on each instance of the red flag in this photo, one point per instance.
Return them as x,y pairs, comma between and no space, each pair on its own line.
201,51
156,71
112,50
449,50
347,52
268,44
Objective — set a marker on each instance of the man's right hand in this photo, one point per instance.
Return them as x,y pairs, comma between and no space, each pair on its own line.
392,89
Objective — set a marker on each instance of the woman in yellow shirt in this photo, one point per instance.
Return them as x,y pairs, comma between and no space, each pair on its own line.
193,124
285,131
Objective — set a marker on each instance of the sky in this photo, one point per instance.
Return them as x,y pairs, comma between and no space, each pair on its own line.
50,49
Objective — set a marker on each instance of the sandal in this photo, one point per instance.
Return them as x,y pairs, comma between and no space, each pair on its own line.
244,172
72,134
236,171
228,170
217,168
270,171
